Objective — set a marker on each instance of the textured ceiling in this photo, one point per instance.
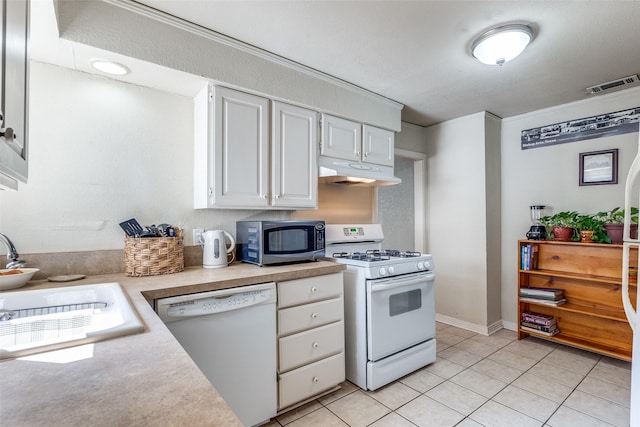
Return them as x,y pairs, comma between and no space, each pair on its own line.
414,52
417,52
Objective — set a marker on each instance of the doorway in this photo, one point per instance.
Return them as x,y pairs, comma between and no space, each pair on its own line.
401,208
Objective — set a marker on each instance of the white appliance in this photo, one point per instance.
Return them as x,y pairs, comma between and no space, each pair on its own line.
231,335
632,198
215,252
389,306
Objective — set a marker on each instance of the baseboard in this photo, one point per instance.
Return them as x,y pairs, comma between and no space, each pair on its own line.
512,326
479,329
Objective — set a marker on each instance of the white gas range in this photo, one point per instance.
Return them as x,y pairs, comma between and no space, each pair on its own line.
389,305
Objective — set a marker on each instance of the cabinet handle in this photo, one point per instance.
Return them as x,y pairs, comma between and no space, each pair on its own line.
555,257
315,379
358,153
8,134
277,196
314,289
314,345
264,196
366,154
314,316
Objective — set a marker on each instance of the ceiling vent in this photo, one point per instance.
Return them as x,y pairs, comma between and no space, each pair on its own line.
616,84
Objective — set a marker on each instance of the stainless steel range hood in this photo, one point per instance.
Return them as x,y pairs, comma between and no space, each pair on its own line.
355,173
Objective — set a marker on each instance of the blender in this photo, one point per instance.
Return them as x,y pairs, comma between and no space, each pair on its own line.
537,230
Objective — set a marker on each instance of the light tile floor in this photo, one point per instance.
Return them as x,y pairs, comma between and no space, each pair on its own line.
485,381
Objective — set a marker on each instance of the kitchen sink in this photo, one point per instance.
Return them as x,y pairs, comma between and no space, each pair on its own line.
50,319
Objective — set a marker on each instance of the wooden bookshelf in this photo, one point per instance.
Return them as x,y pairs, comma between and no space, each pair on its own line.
590,276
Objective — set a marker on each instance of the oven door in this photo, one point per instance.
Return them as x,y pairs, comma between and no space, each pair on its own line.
400,313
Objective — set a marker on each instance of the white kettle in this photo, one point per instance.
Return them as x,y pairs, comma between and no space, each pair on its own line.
214,254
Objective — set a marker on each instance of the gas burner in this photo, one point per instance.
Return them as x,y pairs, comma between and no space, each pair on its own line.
369,256
398,254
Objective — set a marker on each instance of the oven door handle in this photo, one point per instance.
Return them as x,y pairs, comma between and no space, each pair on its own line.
399,282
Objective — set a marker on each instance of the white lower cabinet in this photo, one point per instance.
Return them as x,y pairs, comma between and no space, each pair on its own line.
310,337
309,380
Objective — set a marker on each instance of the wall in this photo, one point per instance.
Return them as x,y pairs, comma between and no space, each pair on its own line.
102,153
457,210
549,176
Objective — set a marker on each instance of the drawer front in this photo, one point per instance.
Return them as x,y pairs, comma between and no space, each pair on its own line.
309,380
307,316
308,346
301,291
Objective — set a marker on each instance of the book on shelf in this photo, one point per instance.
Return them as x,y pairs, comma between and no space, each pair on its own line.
546,293
554,303
549,334
537,318
537,327
528,257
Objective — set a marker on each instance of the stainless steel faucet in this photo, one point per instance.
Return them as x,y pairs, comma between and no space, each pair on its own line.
12,255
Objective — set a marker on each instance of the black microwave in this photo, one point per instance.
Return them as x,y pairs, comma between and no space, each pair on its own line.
279,242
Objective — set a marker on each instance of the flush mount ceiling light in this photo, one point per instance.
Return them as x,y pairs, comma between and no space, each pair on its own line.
109,67
501,44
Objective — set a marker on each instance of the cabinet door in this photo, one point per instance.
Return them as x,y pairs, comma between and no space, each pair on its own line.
377,145
240,149
341,138
294,180
14,27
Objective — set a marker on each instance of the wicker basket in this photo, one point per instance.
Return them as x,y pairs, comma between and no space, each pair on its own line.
150,256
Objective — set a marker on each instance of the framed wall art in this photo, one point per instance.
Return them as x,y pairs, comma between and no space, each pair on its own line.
599,167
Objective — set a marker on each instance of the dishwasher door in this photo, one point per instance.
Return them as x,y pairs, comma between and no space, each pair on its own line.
231,336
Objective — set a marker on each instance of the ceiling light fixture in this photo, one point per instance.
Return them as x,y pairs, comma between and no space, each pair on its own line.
501,44
109,67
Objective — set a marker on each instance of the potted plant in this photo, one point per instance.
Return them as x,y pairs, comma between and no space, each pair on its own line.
613,223
591,229
562,225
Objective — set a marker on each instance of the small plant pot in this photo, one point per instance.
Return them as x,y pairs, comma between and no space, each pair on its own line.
563,234
614,231
586,236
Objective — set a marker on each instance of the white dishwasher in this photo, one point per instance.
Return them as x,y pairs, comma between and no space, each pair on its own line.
231,335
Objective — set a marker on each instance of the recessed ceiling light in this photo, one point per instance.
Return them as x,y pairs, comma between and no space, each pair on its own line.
501,44
109,67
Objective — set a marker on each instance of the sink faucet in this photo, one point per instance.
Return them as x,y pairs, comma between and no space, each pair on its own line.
12,255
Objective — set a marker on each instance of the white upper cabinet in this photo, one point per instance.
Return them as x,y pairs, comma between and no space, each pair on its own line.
341,138
294,181
14,67
234,153
377,145
349,140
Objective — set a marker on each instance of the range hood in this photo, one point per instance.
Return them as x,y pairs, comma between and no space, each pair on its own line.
360,174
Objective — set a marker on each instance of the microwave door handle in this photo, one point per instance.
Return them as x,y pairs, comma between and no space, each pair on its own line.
389,284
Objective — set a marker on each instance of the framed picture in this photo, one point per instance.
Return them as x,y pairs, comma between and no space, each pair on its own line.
599,167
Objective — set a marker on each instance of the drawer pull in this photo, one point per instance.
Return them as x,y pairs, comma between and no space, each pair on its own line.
314,316
314,289
555,257
315,345
315,379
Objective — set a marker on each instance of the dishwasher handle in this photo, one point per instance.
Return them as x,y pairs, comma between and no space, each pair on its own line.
178,308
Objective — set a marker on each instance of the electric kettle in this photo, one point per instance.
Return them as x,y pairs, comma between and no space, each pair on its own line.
214,254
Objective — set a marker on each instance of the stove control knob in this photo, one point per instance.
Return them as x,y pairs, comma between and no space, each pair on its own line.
391,270
382,271
427,265
421,265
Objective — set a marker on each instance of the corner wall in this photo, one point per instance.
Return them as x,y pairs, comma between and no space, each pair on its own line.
458,210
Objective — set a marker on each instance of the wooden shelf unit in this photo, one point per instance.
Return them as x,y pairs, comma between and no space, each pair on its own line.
590,274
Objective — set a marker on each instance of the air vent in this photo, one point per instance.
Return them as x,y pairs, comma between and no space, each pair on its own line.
616,84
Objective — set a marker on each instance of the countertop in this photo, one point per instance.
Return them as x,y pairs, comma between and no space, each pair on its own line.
141,379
